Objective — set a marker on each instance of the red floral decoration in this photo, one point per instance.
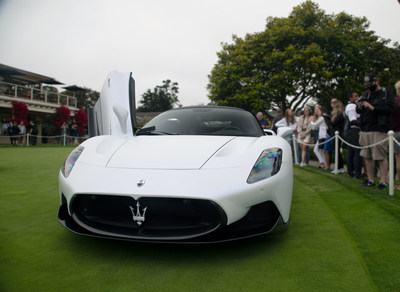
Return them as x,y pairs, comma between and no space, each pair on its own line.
81,120
20,112
62,115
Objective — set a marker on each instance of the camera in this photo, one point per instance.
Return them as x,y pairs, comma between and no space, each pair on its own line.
363,98
360,100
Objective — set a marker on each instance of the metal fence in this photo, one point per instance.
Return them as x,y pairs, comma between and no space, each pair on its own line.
34,94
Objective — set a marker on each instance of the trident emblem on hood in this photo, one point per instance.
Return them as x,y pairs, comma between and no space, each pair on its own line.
141,183
137,217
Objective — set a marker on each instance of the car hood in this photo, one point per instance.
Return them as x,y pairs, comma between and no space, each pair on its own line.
167,152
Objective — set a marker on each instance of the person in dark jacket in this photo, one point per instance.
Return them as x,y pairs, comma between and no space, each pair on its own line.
375,108
13,131
396,128
335,124
33,131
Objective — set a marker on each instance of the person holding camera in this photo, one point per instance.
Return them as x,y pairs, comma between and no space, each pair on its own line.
375,108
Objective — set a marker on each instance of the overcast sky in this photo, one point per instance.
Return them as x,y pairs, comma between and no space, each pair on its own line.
80,41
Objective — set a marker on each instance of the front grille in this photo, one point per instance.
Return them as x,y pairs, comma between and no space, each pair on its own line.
163,218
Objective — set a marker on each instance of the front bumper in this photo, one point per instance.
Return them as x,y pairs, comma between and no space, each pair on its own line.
195,228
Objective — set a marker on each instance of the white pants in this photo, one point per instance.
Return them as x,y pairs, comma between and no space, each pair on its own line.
320,154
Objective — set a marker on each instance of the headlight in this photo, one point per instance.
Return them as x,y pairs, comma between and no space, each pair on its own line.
70,162
267,165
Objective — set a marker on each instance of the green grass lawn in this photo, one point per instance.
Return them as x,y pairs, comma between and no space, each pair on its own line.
341,238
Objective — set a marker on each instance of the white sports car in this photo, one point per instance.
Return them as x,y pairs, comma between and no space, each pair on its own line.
193,175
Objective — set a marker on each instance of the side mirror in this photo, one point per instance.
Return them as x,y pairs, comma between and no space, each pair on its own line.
286,133
269,132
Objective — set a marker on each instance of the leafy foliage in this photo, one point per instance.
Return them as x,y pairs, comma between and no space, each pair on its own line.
162,98
62,115
20,111
82,95
306,56
81,120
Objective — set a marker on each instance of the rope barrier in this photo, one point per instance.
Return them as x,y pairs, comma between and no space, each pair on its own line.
63,137
347,143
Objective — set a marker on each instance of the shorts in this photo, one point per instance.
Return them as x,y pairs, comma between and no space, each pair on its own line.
396,147
377,152
328,145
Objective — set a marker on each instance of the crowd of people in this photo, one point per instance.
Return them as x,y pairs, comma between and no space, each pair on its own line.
70,130
363,123
17,131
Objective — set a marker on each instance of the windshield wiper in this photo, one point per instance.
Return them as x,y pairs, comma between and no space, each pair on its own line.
152,131
144,131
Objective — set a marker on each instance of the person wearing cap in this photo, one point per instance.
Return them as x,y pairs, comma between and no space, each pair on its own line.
375,108
263,122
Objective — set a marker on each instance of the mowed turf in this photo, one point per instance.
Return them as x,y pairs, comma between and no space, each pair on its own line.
341,238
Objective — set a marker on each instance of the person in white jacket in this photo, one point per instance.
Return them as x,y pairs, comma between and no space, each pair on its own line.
289,120
322,133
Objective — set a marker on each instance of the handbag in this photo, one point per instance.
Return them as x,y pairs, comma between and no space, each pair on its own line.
321,143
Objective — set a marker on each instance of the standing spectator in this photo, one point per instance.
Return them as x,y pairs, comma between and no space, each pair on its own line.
74,134
375,108
396,128
322,128
288,121
304,134
263,122
336,124
314,119
352,135
277,118
9,131
33,131
13,132
64,133
22,132
328,145
4,127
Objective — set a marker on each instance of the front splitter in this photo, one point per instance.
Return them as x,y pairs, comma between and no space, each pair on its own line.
217,237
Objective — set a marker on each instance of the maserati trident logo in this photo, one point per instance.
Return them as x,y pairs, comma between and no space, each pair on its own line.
141,183
137,217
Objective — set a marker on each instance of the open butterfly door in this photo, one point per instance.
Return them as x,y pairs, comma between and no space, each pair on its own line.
115,111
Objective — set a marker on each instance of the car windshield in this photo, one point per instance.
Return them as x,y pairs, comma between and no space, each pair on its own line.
219,121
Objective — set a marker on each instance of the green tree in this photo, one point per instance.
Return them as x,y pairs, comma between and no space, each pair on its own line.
306,56
162,98
82,95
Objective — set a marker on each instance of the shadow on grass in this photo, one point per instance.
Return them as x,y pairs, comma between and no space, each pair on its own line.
99,247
